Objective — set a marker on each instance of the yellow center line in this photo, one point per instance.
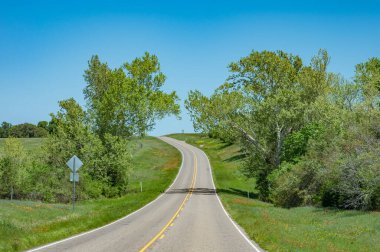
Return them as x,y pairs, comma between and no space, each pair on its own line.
178,210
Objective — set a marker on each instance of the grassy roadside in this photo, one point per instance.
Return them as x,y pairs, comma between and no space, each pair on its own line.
279,229
25,224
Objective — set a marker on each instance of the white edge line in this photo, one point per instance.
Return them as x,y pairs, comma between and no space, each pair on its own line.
220,202
123,218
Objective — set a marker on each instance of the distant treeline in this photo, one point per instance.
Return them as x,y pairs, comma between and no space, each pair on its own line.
25,130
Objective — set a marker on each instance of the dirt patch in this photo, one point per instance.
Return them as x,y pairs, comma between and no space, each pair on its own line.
241,201
171,164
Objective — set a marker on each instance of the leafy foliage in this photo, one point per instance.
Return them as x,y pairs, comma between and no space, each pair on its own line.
12,168
27,130
121,103
127,100
309,136
24,130
43,125
264,100
4,129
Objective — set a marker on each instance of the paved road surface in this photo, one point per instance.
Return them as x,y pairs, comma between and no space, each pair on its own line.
187,217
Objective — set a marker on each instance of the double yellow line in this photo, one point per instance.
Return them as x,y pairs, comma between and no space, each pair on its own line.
178,210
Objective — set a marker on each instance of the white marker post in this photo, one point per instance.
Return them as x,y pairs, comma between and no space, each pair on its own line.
74,164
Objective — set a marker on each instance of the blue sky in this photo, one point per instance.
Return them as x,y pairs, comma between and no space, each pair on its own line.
45,45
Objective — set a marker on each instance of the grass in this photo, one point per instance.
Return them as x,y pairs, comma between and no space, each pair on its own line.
279,229
26,224
29,144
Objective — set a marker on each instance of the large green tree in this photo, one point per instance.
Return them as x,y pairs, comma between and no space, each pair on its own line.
267,97
128,100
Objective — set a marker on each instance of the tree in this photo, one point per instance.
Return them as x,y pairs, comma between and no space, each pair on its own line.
71,133
310,137
214,115
338,166
12,165
27,130
52,126
127,100
117,161
44,125
267,97
4,130
106,162
367,75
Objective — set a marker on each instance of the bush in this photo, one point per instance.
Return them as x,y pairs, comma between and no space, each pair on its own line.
284,186
341,172
12,169
295,185
359,183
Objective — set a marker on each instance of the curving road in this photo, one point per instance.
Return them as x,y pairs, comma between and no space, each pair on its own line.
187,217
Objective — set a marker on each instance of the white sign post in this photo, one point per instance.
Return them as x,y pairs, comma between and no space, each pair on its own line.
74,164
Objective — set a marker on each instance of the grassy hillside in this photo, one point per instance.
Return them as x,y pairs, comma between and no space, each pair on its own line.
25,224
279,229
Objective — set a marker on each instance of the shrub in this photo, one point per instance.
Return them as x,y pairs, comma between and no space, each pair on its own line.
359,183
296,184
12,168
345,173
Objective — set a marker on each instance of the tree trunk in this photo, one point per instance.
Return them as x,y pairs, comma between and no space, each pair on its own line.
281,134
250,139
277,158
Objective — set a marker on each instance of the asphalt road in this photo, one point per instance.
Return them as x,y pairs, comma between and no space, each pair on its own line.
187,217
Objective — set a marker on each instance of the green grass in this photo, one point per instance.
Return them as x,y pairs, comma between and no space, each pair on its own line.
26,224
279,229
29,144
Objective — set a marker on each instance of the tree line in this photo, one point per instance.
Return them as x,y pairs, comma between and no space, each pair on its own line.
25,130
309,136
121,103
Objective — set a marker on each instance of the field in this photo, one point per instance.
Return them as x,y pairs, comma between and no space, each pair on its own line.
26,224
29,144
279,229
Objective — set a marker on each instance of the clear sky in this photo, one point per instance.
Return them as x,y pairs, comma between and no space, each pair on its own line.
45,45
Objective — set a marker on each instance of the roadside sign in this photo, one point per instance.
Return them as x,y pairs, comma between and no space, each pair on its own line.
72,177
74,163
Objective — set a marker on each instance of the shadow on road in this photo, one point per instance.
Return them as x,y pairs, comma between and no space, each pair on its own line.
204,191
209,191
